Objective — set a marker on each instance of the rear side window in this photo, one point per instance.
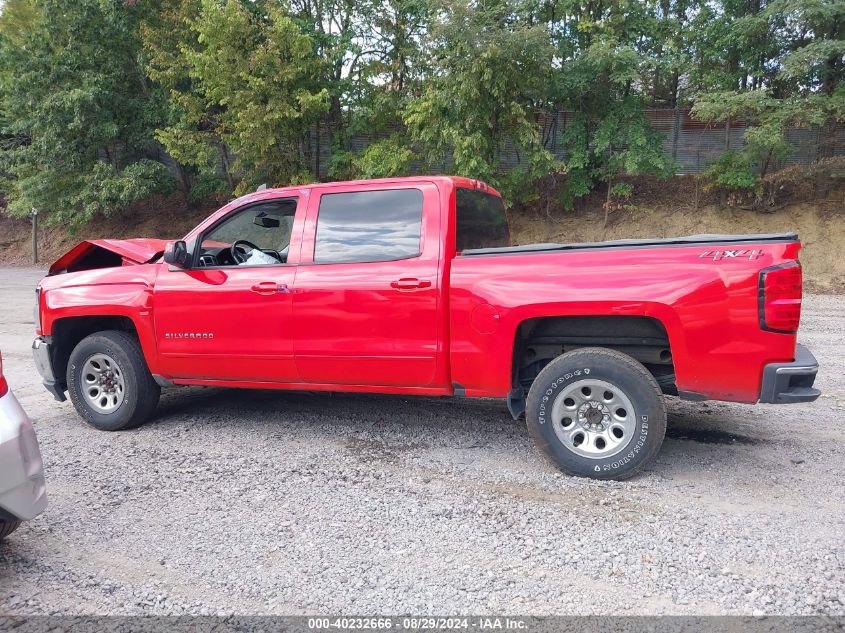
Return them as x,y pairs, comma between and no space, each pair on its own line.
369,226
481,221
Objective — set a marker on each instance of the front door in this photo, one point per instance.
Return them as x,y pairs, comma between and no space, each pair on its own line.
229,317
366,300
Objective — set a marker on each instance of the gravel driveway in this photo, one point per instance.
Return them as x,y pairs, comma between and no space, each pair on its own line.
288,503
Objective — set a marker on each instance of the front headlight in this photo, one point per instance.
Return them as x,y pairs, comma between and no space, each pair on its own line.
37,315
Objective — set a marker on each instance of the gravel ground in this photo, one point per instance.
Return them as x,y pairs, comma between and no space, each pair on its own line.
285,503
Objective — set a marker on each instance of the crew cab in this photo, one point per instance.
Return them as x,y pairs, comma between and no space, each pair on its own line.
412,286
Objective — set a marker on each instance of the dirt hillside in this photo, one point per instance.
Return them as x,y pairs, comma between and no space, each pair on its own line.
657,210
162,217
822,232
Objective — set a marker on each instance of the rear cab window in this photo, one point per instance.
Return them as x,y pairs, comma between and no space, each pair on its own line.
480,220
369,226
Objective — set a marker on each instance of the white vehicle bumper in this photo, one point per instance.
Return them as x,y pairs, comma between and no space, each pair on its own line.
23,494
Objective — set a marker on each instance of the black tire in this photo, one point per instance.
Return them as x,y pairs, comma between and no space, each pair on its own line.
7,527
141,392
638,442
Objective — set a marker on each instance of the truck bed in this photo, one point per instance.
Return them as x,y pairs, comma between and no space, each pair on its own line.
688,240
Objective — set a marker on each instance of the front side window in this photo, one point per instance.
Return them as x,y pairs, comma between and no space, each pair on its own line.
257,235
481,220
369,226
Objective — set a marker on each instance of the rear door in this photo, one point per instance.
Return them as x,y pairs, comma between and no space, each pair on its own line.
366,302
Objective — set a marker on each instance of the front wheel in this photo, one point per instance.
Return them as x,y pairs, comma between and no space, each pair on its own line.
109,382
596,413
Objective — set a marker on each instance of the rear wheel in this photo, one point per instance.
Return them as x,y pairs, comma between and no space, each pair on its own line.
109,382
596,413
7,527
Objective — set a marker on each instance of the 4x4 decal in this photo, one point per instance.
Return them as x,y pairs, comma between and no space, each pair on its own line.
741,253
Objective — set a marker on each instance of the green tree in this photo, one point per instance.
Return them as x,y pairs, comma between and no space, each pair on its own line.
385,71
250,94
241,92
795,82
166,33
488,72
813,64
603,60
17,19
77,116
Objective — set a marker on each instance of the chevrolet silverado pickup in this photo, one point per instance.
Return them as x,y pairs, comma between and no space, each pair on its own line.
412,286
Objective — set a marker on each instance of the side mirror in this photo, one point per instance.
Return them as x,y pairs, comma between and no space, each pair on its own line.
176,254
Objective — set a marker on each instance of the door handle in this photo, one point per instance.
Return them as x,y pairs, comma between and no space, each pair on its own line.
270,288
410,283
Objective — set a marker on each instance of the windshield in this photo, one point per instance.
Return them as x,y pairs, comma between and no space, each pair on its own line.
481,221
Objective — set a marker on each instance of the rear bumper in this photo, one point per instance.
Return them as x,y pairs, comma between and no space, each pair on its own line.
22,491
41,352
785,383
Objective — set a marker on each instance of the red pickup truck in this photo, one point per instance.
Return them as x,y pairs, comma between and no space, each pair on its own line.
412,286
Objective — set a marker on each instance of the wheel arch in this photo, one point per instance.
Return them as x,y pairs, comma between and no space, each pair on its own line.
67,332
539,340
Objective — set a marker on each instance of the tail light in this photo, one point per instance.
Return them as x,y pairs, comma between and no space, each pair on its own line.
4,386
780,298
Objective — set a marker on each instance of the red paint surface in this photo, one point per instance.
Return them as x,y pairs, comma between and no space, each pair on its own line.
348,327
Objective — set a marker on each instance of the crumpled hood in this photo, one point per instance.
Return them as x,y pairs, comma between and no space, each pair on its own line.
107,253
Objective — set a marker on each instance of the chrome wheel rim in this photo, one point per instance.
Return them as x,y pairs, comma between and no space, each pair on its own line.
103,385
593,418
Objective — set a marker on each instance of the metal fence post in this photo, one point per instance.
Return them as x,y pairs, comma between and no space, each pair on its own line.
676,131
34,215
